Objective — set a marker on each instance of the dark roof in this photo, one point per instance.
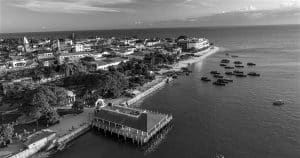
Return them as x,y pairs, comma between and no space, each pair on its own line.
143,120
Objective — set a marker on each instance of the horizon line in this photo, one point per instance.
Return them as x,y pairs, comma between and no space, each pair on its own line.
145,28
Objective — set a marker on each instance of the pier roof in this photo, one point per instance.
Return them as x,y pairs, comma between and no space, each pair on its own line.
134,118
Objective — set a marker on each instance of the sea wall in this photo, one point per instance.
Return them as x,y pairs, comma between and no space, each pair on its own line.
73,134
148,91
38,146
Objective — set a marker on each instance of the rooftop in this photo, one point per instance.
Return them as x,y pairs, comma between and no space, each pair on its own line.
135,118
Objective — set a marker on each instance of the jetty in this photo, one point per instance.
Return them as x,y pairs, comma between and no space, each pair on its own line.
133,124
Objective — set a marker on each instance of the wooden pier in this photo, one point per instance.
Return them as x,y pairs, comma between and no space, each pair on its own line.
136,125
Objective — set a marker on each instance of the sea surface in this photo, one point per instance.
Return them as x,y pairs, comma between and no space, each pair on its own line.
236,121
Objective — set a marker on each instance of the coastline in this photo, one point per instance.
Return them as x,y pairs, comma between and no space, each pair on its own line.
71,127
184,63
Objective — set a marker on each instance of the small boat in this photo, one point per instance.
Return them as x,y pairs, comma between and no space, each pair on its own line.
205,79
238,72
223,65
218,76
253,74
227,80
234,56
225,61
219,83
215,72
251,64
240,75
229,67
237,62
278,102
229,73
239,66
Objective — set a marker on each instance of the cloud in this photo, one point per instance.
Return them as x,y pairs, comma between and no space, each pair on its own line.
68,6
290,4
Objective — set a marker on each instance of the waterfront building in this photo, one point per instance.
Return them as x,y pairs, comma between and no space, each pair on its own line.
193,43
137,124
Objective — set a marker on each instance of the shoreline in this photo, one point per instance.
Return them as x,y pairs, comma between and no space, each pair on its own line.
71,127
184,63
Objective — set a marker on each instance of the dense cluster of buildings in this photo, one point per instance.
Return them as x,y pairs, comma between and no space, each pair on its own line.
28,54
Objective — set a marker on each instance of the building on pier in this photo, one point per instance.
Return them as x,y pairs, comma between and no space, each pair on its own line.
136,124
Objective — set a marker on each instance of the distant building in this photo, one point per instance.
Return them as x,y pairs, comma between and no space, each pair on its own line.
72,57
193,43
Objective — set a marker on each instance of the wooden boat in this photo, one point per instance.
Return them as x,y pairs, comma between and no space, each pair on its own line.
215,72
225,61
229,67
253,74
251,64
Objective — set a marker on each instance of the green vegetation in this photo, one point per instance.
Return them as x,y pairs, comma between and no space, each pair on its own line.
6,134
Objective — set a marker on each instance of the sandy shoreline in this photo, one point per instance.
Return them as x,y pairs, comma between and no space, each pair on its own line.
184,63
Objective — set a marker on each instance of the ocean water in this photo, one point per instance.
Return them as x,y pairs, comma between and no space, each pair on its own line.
236,121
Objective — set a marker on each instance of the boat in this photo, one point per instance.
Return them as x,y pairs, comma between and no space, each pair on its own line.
234,56
239,66
229,67
223,65
278,102
240,75
222,81
237,62
225,61
205,79
238,72
229,73
251,64
219,83
218,76
253,74
227,80
215,72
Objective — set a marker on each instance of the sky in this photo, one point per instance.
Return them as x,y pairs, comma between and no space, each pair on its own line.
58,15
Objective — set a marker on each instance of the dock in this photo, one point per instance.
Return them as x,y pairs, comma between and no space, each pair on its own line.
136,125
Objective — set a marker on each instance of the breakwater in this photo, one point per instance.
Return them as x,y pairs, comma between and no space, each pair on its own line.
148,91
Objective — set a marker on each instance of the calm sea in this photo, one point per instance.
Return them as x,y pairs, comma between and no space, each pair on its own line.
237,121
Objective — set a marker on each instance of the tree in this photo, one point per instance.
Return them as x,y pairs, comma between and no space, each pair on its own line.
78,105
6,134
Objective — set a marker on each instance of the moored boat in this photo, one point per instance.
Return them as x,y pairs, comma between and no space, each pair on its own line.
229,73
218,76
223,65
229,67
205,79
251,64
219,83
253,74
237,62
238,72
239,66
278,102
240,75
227,80
225,61
215,72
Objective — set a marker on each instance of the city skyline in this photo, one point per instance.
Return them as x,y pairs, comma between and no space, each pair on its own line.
60,15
